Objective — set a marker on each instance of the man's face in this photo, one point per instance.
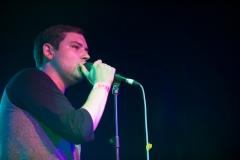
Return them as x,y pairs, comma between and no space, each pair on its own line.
72,51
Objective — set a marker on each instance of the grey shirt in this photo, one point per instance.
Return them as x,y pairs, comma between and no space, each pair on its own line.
38,122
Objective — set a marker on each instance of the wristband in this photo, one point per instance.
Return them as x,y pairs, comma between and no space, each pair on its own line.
102,85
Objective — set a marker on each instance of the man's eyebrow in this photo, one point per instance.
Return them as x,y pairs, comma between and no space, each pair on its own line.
80,44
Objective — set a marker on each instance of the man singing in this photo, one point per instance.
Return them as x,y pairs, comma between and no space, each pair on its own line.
36,119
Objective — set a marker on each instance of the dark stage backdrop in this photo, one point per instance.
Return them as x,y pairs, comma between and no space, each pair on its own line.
186,56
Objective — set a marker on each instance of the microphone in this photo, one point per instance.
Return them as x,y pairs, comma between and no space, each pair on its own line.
118,77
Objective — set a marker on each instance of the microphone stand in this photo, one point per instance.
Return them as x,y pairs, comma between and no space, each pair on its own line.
115,140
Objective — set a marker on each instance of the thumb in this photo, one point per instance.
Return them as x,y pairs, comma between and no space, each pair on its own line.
84,70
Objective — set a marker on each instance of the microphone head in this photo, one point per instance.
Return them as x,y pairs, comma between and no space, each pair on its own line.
88,65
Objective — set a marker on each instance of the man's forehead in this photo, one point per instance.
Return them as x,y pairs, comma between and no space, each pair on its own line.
75,37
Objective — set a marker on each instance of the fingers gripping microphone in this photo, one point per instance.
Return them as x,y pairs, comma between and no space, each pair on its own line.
88,65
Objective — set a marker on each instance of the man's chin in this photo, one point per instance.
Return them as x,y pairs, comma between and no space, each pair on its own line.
80,75
79,79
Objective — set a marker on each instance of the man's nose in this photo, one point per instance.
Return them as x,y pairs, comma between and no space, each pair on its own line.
86,56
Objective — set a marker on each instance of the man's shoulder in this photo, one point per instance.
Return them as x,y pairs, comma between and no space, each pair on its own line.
29,77
30,82
29,71
29,74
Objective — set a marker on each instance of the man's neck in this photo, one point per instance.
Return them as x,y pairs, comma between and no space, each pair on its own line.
53,74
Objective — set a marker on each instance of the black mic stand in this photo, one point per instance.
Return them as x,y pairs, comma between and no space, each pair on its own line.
115,140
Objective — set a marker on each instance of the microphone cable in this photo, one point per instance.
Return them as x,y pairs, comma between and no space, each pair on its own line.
148,145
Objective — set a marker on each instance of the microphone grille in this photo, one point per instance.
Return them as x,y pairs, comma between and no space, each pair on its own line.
88,65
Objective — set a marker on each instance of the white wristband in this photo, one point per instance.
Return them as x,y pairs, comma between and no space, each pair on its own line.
102,85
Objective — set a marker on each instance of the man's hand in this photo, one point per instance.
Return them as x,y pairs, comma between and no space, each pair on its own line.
99,73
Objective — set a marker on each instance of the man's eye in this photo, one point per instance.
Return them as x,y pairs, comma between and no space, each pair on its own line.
76,47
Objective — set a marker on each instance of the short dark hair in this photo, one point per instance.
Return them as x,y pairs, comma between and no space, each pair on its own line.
53,35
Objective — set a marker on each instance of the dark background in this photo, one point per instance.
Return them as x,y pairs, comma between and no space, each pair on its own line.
186,56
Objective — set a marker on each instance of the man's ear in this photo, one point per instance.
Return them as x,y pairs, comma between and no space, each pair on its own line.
48,51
